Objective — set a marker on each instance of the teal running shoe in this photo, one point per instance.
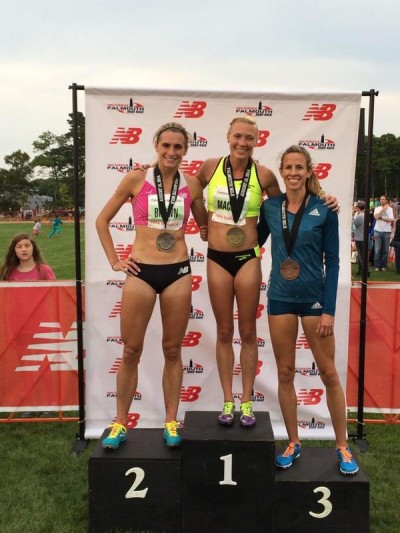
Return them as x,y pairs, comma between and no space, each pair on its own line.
286,459
118,434
347,465
171,435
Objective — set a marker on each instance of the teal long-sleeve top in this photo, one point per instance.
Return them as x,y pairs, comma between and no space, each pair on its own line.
316,250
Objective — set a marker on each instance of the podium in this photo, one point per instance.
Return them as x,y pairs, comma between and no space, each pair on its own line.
221,480
313,496
227,475
137,487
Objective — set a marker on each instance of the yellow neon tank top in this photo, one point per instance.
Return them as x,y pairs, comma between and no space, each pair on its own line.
218,197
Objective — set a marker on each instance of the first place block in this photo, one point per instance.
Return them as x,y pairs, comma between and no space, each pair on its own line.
227,475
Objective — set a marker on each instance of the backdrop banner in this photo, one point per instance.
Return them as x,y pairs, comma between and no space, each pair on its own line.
120,125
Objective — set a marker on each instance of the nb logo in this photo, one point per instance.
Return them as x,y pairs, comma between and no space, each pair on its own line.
323,112
183,270
126,136
191,110
309,397
191,168
322,170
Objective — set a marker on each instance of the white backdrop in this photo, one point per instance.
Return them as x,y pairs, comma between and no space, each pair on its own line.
120,124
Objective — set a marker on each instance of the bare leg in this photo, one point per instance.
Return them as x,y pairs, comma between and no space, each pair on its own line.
247,289
283,330
138,301
220,288
323,349
175,310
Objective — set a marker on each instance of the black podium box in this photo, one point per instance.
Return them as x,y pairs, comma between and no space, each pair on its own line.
137,487
313,496
227,475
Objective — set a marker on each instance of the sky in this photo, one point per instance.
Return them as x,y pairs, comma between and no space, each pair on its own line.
250,45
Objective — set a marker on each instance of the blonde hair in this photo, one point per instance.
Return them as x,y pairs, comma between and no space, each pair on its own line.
245,120
172,126
312,184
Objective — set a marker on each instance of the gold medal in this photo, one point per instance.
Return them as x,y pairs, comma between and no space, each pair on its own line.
165,242
289,269
235,236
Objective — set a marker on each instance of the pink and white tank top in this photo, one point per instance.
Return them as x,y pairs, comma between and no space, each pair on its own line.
145,205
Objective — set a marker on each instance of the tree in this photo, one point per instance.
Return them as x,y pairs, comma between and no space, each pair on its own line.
15,184
54,161
385,177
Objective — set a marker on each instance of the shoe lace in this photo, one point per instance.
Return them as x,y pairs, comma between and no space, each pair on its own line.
228,408
346,455
289,450
172,428
115,429
246,408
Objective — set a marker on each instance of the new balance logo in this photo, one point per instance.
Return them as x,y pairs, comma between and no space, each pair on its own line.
191,110
126,136
323,112
317,305
183,270
314,213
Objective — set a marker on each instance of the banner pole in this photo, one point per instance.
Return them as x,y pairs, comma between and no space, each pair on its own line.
80,444
359,438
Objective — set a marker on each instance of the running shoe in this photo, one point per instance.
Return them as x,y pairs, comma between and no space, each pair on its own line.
247,417
171,435
227,415
286,459
118,434
347,465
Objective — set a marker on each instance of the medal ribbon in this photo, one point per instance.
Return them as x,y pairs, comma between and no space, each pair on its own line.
237,201
290,237
166,212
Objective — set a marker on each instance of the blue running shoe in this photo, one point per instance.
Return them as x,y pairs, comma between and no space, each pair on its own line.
227,415
247,417
117,435
286,459
347,465
171,435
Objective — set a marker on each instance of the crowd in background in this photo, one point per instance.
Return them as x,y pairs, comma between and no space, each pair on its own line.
383,233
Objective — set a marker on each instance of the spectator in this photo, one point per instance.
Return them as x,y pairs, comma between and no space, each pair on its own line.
383,228
57,223
24,262
395,243
358,225
37,228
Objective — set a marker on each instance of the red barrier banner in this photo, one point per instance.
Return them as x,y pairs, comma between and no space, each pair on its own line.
382,349
38,347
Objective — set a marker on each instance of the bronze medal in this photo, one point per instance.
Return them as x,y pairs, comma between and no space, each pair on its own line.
289,269
165,241
235,236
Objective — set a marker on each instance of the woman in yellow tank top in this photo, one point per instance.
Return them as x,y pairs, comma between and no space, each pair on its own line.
233,265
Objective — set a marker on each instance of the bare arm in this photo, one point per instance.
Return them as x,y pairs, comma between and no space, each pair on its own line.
198,208
124,191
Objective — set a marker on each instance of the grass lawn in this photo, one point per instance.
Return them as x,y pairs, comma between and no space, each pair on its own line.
44,488
58,251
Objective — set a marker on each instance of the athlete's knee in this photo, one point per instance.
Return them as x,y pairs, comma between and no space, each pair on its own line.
248,334
224,333
286,374
172,350
329,377
131,354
